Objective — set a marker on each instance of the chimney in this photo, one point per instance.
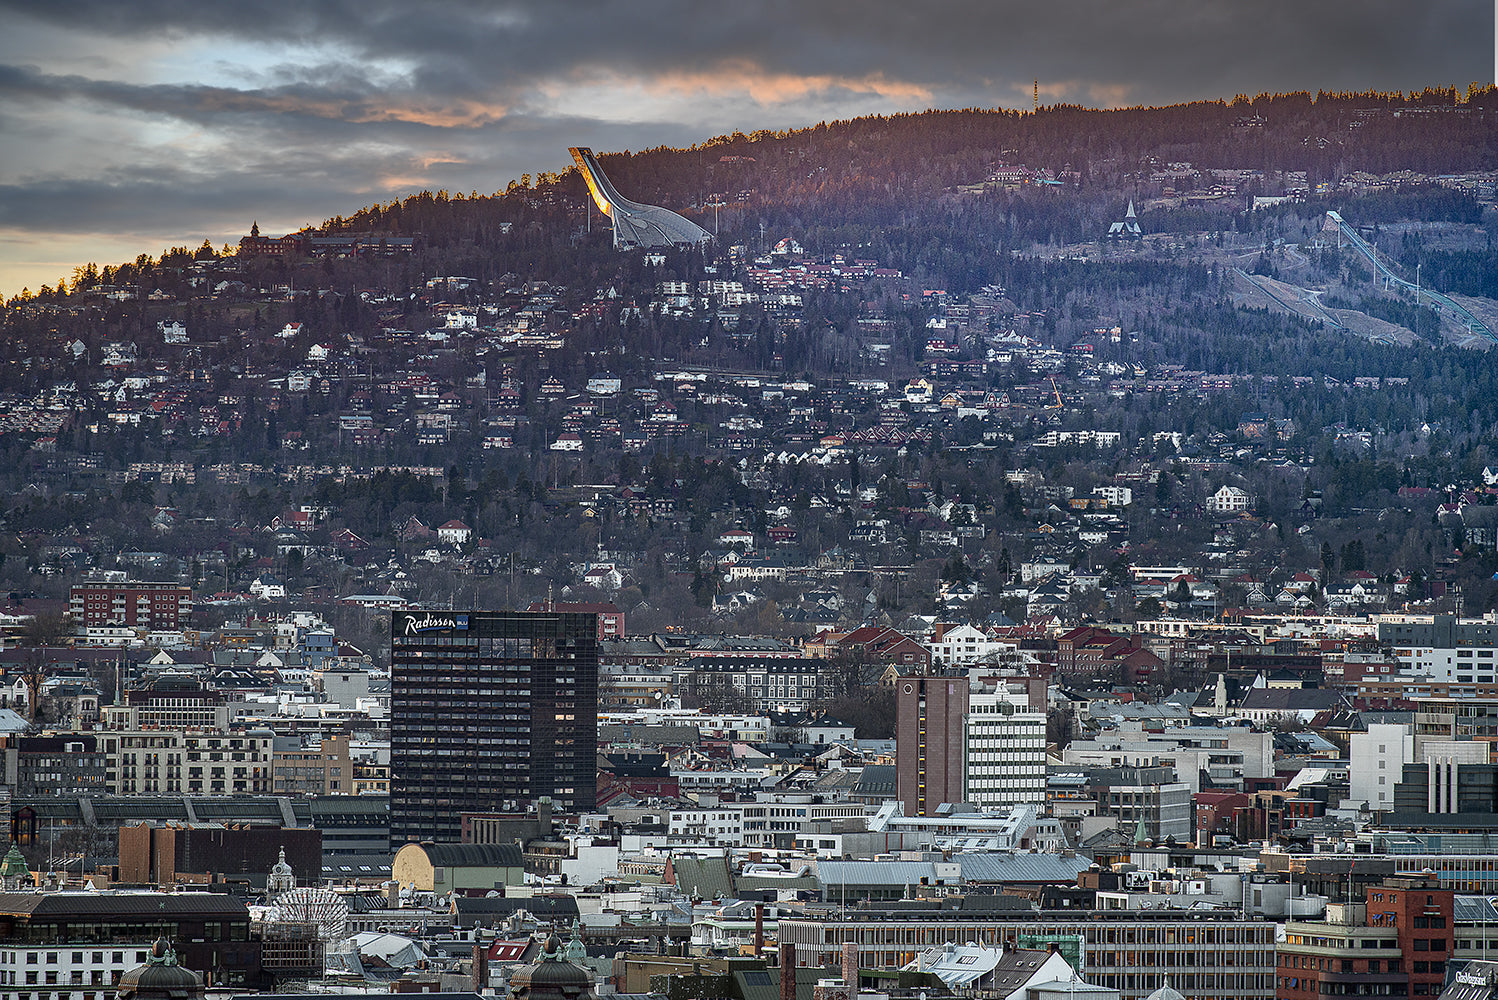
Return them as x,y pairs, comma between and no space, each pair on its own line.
480,966
787,971
850,965
543,815
759,929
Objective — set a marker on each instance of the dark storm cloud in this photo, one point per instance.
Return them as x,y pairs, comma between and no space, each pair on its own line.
294,183
170,200
338,97
1149,50
167,116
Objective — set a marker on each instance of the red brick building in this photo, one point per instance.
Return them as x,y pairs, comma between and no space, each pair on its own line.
886,645
610,618
1395,943
1215,811
182,852
1088,650
1421,916
163,606
929,741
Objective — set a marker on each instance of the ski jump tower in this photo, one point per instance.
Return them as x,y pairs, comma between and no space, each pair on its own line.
635,225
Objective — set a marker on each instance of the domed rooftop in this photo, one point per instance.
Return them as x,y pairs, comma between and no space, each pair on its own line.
14,864
281,879
551,978
161,978
1165,992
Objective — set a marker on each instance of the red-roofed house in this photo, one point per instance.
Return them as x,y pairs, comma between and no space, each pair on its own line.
887,646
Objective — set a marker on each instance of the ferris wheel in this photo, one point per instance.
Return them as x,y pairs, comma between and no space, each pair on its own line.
323,909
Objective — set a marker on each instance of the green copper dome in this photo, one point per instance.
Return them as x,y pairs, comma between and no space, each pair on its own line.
14,864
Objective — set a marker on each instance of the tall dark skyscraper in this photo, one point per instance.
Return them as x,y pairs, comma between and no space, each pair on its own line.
929,741
489,711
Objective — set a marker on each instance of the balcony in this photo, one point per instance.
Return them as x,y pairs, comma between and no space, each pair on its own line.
1395,979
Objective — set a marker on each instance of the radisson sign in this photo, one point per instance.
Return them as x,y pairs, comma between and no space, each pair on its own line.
416,624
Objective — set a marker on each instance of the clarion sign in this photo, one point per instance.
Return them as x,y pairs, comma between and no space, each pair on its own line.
428,622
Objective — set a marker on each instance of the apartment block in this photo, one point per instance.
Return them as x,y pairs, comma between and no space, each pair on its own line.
161,606
187,762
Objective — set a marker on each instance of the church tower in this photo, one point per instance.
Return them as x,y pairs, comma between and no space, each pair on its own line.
280,881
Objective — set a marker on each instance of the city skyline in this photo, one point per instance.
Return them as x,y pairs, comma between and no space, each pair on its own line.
141,128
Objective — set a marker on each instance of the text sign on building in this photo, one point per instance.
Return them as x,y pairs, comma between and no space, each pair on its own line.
421,623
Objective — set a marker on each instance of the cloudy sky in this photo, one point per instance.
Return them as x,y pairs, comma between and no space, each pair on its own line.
131,125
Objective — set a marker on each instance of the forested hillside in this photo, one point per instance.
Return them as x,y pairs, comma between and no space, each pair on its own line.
966,248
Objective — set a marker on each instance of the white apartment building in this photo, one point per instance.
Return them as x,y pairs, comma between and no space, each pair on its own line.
962,645
764,824
740,728
1020,828
719,827
1454,665
713,782
166,713
1227,754
155,761
1444,647
1375,761
775,825
1004,752
1114,496
59,970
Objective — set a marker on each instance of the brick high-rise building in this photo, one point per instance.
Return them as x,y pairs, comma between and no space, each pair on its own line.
929,741
1395,942
489,711
163,606
173,852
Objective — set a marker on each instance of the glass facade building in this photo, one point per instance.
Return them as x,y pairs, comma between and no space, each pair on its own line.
489,711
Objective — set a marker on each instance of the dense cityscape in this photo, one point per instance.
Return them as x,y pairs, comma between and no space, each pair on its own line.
969,554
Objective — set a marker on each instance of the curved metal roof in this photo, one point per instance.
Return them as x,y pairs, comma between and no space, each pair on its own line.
635,225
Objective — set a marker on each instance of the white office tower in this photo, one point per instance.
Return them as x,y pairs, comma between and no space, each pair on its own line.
1005,750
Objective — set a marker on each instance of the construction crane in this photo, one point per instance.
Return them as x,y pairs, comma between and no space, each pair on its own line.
1057,405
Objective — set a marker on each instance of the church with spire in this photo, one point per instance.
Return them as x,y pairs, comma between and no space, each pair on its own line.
1128,229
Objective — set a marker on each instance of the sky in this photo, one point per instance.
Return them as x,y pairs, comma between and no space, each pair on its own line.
130,127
